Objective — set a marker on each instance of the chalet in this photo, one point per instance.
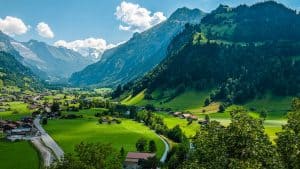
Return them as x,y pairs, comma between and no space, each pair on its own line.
2,123
186,116
9,126
193,117
177,114
133,158
18,123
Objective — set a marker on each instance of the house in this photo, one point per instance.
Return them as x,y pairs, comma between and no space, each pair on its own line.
3,122
176,114
133,158
193,117
185,116
9,126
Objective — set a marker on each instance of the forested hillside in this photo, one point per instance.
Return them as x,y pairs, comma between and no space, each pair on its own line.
13,73
219,53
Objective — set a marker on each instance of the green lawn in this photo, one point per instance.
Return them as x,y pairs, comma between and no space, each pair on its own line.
68,133
18,110
190,100
18,155
276,106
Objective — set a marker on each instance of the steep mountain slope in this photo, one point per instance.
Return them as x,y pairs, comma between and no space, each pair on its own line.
138,55
218,59
48,62
13,73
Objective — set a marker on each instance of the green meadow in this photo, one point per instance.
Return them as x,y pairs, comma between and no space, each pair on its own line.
69,133
17,110
18,155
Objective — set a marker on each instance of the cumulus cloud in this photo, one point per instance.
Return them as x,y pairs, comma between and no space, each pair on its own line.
87,47
44,30
13,26
136,18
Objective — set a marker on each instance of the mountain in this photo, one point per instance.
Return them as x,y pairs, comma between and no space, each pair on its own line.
48,62
230,59
138,55
13,73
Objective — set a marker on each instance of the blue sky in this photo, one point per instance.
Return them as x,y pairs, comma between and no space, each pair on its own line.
71,20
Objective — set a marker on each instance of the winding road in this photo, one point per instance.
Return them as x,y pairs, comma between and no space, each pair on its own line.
167,149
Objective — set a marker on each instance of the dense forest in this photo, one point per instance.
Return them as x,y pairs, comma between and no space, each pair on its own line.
239,71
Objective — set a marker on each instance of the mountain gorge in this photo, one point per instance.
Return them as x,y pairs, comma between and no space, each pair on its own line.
221,53
138,55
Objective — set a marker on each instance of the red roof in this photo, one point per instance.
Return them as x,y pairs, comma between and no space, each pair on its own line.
133,155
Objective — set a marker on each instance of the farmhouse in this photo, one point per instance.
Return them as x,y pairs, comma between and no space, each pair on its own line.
176,114
133,158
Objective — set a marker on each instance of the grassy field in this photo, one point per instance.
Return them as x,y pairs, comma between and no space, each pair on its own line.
276,106
18,155
68,133
17,110
190,100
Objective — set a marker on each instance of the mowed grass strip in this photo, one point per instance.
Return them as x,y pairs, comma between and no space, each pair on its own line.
69,133
18,155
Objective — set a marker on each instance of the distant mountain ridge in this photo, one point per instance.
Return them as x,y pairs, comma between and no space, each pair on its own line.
48,62
138,55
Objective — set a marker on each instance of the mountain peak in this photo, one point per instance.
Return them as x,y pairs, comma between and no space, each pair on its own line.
184,13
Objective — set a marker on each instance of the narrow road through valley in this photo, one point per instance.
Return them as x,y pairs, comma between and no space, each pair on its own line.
48,141
44,151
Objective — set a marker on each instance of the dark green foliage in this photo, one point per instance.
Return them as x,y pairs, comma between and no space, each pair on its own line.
243,144
263,114
44,121
221,108
262,21
90,156
176,134
55,107
206,102
141,145
152,146
288,144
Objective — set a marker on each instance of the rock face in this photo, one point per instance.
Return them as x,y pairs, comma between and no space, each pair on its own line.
138,55
48,62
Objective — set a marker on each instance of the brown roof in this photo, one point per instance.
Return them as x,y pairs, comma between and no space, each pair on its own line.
133,155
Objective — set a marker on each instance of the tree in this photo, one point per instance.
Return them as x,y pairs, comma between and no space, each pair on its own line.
288,144
176,134
44,121
90,156
221,108
55,107
243,144
263,114
152,146
206,102
122,152
141,145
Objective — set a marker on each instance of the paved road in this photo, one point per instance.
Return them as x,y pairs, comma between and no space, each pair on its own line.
45,152
48,141
167,149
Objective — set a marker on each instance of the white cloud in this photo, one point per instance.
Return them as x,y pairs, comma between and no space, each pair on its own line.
44,30
13,26
87,47
136,18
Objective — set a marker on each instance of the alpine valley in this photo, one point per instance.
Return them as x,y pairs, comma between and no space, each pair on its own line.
187,90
